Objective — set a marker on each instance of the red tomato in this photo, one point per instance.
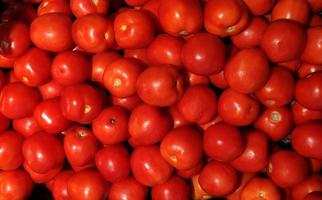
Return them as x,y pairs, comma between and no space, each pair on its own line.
178,119
252,35
283,40
218,179
312,51
6,62
133,29
148,166
200,110
81,102
160,85
87,184
198,192
315,165
113,162
53,6
152,7
189,173
41,178
315,5
128,103
213,122
246,177
174,188
195,79
260,188
149,124
129,189
292,65
10,150
4,123
139,54
306,139
255,155
225,17
218,80
18,100
111,125
259,7
311,184
308,91
247,70
19,11
316,20
306,69
51,89
121,75
223,142
52,32
26,126
15,184
236,108
135,2
85,7
302,114
278,90
276,123
59,185
287,169
313,196
203,54
93,33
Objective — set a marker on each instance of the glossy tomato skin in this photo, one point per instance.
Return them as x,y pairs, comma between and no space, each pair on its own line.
292,65
259,7
203,54
218,80
236,108
178,119
4,123
247,70
133,29
283,40
26,126
70,67
174,188
223,142
15,184
52,27
195,79
200,110
111,125
245,178
218,179
93,33
53,6
189,173
6,62
149,124
113,162
41,178
18,100
59,185
306,69
139,54
51,89
255,155
85,7
306,139
160,85
260,188
302,114
148,166
308,91
287,169
129,189
10,150
198,192
128,103
311,184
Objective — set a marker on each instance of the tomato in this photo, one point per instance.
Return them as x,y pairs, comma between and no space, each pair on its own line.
53,6
259,7
85,7
218,179
4,123
180,17
111,125
313,196
278,90
198,192
128,103
315,165
59,185
129,189
212,122
152,7
10,150
302,114
316,20
252,34
306,69
276,123
287,169
246,177
139,54
315,5
52,32
223,142
26,126
87,184
292,65
81,102
165,49
93,33
149,124
194,79
15,185
121,75
113,162
178,119
160,85
133,29
255,155
18,100
283,40
189,173
203,54
41,178
311,184
135,2
19,11
236,108
148,166
218,80
174,188
225,17
308,91
312,51
100,61
6,62
260,188
51,89
306,139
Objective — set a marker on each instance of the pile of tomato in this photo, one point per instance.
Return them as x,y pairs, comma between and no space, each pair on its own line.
161,99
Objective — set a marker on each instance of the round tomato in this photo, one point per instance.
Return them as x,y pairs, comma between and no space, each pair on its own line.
306,69
260,188
218,80
59,184
26,126
4,123
178,119
302,114
259,7
139,54
198,192
51,89
129,189
10,150
189,173
85,7
41,178
128,103
311,184
246,177
53,6
194,79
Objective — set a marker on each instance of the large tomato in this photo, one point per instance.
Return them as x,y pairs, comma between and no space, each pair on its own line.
26,126
312,51
311,184
53,6
260,188
51,89
129,189
59,185
302,114
85,7
10,150
128,103
259,7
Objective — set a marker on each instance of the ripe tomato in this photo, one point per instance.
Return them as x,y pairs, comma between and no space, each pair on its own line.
292,65
311,184
111,125
10,150
19,11
41,178
4,123
194,79
52,32
302,114
306,69
128,103
51,89
129,189
313,196
53,6
160,85
85,7
287,169
135,2
245,178
113,162
26,126
315,5
316,20
315,165
148,166
198,192
6,62
218,80
223,142
260,188
18,100
59,185
178,119
189,173
139,54
259,7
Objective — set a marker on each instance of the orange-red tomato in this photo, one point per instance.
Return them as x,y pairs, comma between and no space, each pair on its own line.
260,188
246,177
302,114
306,69
129,189
85,7
259,7
53,6
312,51
311,184
59,184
